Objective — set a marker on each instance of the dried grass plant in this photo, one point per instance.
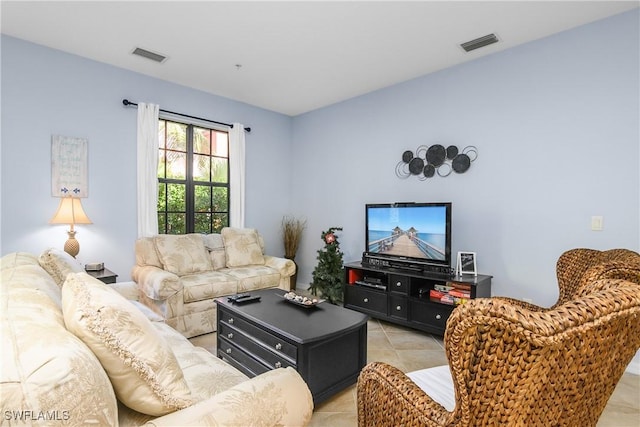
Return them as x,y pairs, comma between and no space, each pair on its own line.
292,229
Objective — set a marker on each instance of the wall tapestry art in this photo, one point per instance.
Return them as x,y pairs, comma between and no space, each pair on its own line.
69,166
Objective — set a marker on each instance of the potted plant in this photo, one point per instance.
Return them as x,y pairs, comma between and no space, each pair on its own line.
292,229
328,274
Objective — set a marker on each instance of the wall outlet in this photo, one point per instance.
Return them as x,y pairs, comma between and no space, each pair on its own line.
597,223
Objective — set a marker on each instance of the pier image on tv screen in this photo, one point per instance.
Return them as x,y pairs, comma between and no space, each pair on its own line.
411,231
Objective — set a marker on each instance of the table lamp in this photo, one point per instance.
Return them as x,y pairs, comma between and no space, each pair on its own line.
70,212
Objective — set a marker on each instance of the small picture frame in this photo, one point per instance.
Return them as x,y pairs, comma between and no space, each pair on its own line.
466,263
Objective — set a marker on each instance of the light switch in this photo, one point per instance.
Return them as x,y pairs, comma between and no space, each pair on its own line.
597,223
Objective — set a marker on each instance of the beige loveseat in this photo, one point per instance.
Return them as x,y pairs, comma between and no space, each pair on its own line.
179,276
77,352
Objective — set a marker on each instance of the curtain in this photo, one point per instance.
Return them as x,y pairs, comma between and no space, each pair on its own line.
237,171
147,160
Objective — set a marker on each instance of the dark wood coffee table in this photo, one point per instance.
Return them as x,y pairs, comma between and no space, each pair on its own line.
326,344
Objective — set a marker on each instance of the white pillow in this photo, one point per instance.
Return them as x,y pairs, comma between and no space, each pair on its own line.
142,368
58,264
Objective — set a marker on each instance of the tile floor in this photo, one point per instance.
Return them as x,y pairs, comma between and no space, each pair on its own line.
411,350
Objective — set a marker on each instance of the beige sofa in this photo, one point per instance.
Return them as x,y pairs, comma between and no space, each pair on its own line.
179,276
77,352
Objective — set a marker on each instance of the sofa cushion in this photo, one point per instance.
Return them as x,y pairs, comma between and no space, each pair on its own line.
242,247
58,264
182,254
254,277
437,383
215,245
209,285
213,241
146,252
143,370
45,368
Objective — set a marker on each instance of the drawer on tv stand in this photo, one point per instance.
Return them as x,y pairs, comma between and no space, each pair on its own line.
398,283
367,299
430,314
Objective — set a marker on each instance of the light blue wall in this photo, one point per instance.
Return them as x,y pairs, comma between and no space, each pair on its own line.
47,92
556,125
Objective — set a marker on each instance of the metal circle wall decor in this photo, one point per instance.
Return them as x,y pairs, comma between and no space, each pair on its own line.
428,161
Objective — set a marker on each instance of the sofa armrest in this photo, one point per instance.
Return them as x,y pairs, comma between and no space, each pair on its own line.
129,290
276,398
285,267
156,283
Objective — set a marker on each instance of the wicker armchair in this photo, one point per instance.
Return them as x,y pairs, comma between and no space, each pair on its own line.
510,366
578,267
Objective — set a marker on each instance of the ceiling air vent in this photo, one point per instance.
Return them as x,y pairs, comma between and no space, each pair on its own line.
479,42
149,55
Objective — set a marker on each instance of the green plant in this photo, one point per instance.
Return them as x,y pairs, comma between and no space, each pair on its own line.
327,276
292,229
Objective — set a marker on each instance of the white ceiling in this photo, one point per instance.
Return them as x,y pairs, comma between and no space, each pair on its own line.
296,56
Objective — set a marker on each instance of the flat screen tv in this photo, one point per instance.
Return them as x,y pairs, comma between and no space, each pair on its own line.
410,232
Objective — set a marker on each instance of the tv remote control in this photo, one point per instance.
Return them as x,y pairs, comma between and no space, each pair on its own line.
237,297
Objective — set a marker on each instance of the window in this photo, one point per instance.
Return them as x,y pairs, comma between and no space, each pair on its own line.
193,178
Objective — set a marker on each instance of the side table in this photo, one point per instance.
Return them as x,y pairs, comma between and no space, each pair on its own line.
105,275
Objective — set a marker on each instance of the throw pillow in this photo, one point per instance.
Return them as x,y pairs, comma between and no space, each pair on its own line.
183,254
146,253
142,368
242,247
58,264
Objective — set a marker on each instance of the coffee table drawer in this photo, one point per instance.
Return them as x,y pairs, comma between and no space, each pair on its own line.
279,345
239,359
254,348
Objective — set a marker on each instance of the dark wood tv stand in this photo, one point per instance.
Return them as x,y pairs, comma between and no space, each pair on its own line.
404,296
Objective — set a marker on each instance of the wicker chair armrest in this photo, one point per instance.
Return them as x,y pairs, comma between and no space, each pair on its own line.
627,270
570,267
577,267
387,397
521,304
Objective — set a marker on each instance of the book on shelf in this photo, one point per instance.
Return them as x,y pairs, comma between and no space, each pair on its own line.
443,288
460,294
451,297
461,286
433,293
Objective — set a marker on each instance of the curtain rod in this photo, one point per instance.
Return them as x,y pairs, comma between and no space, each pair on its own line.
126,103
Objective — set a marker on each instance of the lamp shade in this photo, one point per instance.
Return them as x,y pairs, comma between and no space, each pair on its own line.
70,212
